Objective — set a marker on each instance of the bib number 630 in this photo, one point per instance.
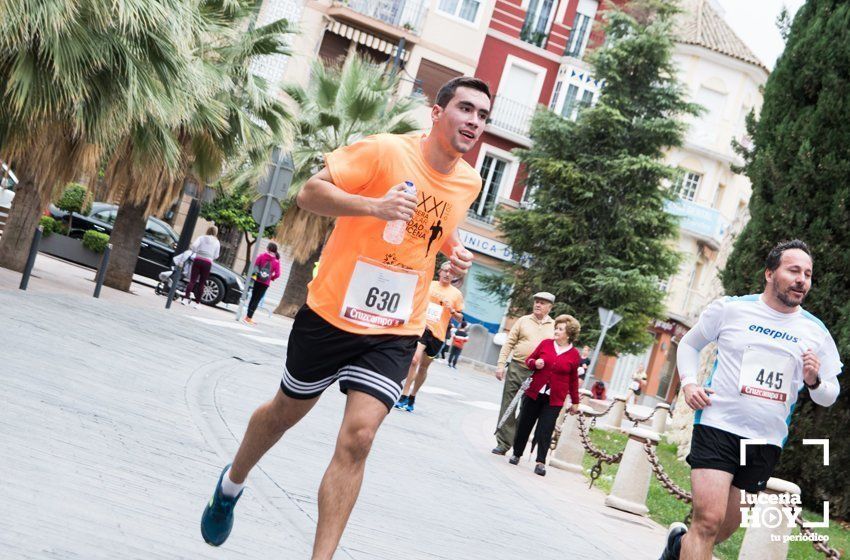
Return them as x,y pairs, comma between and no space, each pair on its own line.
382,300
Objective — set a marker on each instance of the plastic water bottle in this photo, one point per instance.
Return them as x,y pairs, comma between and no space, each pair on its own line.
394,230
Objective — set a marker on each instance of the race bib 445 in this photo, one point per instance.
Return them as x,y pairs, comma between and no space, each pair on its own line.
766,375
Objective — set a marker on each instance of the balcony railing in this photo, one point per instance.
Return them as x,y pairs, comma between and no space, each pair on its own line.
512,116
705,223
487,218
406,14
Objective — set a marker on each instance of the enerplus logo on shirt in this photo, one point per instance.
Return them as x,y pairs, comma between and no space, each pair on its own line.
773,333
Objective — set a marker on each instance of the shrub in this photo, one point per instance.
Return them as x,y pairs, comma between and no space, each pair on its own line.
95,241
48,226
75,198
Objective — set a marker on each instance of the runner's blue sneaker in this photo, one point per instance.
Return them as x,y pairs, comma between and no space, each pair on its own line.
402,402
217,520
409,406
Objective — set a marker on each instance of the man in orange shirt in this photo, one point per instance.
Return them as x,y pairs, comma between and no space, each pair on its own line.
445,302
366,306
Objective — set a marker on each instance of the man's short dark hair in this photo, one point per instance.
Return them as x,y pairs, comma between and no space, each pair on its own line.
447,91
775,255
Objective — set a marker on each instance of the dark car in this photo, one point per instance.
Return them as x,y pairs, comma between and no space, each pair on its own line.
156,252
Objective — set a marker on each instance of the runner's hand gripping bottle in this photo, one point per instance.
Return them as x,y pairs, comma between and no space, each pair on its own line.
394,230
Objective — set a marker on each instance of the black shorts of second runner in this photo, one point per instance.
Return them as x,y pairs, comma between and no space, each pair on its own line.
431,343
319,354
712,448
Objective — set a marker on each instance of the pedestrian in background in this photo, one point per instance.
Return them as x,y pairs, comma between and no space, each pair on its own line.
266,271
206,249
528,331
458,341
555,363
585,362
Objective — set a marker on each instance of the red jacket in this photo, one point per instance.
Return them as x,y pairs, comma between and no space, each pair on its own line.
274,266
560,372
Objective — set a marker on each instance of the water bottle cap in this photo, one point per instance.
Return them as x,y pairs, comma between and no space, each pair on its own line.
409,183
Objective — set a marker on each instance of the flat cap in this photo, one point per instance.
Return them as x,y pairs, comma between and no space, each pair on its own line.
545,296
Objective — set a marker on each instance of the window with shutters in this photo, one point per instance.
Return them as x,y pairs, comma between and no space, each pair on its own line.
430,78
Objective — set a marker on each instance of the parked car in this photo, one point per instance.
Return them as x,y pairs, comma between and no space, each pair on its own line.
156,251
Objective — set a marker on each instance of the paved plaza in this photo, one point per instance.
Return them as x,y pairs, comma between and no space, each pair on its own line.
118,416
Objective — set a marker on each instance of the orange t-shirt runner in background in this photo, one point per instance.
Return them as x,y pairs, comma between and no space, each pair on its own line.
366,285
441,301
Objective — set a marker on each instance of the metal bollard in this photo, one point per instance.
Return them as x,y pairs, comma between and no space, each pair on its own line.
569,454
631,484
101,271
614,418
659,420
768,527
36,239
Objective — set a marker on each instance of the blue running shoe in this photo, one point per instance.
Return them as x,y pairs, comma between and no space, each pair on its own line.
674,541
402,402
217,520
409,406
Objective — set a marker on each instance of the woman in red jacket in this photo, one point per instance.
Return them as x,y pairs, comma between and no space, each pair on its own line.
555,365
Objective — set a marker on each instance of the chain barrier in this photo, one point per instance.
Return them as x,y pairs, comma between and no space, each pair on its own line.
674,489
818,545
598,454
638,420
593,415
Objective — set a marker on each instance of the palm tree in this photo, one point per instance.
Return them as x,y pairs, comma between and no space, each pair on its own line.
75,74
340,105
231,111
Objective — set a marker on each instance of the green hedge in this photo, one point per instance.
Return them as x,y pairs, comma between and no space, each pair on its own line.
95,241
75,198
48,225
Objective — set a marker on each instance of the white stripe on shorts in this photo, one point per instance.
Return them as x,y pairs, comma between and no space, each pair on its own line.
302,388
371,379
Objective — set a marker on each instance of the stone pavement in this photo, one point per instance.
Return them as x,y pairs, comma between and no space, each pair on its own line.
118,415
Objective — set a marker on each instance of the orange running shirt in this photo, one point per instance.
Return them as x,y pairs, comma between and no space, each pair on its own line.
366,285
441,301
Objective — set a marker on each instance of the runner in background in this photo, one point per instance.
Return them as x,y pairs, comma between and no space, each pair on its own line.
445,302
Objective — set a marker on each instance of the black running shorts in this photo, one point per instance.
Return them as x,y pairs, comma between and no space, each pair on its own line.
712,448
319,354
431,343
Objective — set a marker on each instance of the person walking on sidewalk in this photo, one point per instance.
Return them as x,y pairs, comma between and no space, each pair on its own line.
266,271
528,331
555,364
768,350
458,342
366,308
206,249
445,302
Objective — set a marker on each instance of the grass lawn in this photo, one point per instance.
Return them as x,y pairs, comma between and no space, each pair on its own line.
665,509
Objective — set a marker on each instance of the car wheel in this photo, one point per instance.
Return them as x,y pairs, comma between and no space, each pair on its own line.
213,291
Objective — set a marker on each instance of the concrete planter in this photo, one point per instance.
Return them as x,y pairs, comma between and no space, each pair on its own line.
69,249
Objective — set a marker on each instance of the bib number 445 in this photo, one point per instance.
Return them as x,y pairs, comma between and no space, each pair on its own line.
772,379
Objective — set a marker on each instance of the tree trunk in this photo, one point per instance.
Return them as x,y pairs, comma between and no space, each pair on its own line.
295,293
230,238
126,241
27,207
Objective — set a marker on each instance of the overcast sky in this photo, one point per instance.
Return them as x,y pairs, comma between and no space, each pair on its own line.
754,21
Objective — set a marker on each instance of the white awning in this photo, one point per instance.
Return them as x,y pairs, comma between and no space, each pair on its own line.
366,39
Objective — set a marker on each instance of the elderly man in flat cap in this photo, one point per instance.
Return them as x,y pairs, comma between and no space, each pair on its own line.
526,334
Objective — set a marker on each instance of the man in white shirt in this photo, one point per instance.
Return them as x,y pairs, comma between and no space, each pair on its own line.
768,349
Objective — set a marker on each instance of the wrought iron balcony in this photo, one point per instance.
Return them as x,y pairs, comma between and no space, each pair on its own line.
405,14
703,222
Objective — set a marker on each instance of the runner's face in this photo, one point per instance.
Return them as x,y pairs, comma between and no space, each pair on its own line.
462,122
445,275
792,280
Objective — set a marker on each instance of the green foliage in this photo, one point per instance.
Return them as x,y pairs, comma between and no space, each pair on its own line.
49,226
75,198
799,169
596,233
95,241
232,209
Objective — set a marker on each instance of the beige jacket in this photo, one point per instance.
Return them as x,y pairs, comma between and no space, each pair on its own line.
524,337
